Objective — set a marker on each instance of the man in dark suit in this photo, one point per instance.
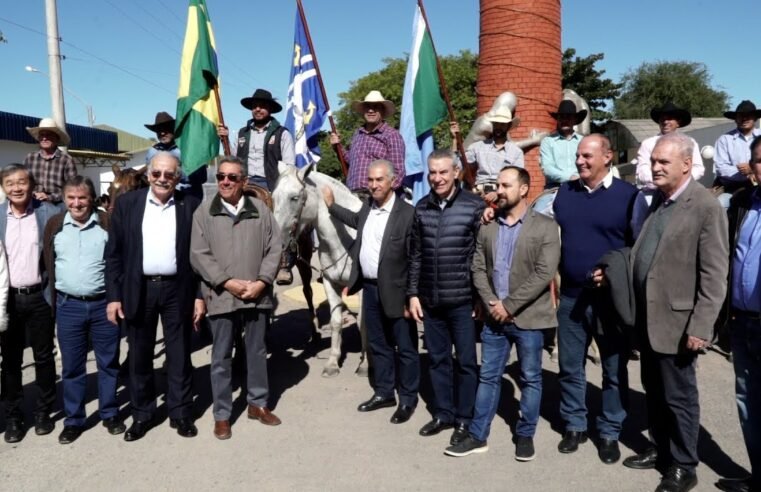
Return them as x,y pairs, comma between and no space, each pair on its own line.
379,268
148,275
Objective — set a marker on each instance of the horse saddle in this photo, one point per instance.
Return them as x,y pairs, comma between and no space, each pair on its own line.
258,192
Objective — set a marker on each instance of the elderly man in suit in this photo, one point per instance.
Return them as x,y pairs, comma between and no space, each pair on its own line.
380,268
680,263
148,275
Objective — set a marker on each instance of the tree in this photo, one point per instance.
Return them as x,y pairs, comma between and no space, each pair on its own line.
580,75
687,84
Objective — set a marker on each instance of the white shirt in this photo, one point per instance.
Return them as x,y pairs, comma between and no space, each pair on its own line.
372,237
605,183
159,237
232,210
645,171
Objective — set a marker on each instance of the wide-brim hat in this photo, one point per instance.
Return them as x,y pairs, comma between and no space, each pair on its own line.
262,95
47,124
742,108
681,114
567,107
374,97
503,115
162,120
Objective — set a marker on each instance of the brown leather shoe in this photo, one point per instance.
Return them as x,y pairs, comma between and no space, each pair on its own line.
222,430
263,415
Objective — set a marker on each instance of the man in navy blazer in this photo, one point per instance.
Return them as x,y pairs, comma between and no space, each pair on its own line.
148,275
379,268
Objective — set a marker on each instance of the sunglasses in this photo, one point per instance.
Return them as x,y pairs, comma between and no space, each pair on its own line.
167,174
233,178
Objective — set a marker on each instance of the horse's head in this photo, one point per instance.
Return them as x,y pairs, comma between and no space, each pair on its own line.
295,200
125,180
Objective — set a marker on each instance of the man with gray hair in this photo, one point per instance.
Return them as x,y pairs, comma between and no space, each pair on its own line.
379,268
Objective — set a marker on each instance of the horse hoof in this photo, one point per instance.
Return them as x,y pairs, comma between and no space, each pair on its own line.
361,371
330,372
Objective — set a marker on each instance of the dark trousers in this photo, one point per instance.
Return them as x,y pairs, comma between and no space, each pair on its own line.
385,336
27,314
453,397
76,320
673,410
160,300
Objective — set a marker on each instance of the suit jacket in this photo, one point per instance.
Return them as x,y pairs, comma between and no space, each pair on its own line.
392,265
687,280
124,252
535,261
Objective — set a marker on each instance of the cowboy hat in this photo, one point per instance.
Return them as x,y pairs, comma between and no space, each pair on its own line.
162,120
502,115
682,115
48,125
567,107
744,107
262,95
374,97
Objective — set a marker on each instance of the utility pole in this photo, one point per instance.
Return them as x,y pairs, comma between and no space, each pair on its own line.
54,65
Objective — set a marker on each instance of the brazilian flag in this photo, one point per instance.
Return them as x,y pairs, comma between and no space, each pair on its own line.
197,110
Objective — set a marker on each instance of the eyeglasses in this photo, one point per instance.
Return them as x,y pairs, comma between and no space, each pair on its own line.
167,174
233,178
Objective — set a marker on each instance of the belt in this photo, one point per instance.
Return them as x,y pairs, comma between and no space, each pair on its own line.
370,281
25,291
747,314
160,278
96,297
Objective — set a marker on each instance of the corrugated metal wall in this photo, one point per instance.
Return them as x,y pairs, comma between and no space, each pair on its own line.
13,127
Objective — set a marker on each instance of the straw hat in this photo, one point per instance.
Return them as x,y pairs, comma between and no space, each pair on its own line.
374,97
47,124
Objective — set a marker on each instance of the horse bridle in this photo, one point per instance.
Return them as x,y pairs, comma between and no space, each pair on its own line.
291,238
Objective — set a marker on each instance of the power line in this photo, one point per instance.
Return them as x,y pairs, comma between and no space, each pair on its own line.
141,26
161,22
174,14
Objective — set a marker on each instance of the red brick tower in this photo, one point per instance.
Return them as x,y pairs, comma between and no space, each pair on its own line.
520,52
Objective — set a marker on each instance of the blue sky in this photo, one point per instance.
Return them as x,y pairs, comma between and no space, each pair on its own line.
351,37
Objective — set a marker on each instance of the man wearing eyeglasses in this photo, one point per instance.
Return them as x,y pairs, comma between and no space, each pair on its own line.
148,275
235,248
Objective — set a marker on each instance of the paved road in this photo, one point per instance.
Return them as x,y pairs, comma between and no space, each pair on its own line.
325,444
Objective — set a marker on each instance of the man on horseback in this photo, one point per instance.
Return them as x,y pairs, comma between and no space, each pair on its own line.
51,165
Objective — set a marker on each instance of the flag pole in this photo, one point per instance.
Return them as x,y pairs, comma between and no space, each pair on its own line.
468,170
225,140
337,147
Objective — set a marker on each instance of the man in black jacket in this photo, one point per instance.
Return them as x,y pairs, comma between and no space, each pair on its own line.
379,268
440,291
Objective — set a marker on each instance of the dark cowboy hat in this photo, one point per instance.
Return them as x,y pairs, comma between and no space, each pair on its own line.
567,106
163,120
262,95
744,107
682,115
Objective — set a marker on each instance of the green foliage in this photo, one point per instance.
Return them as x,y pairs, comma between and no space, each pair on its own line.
580,75
687,84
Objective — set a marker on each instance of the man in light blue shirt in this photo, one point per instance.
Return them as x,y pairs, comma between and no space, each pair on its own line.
731,162
558,150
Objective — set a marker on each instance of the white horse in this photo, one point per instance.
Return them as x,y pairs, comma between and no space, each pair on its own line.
298,203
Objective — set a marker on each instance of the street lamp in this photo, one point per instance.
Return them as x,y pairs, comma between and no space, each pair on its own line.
88,107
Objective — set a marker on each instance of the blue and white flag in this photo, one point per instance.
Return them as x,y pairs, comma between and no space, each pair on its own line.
305,110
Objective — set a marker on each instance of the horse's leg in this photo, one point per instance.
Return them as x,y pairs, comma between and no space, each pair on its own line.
364,359
304,266
334,301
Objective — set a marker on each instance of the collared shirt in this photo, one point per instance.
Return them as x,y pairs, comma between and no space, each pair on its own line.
490,159
673,198
79,263
746,284
507,237
605,183
384,142
23,248
51,173
557,156
372,237
644,167
444,201
733,148
159,237
232,210
256,145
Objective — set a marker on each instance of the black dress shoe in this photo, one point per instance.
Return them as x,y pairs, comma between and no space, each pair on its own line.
185,426
608,451
677,479
43,424
434,427
137,430
642,461
70,433
459,434
571,440
14,431
402,414
114,425
736,485
375,403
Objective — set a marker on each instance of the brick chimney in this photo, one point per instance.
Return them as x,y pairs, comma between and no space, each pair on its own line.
520,52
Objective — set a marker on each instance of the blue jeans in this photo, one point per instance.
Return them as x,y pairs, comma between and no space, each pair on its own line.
76,320
580,319
259,181
746,356
452,399
496,343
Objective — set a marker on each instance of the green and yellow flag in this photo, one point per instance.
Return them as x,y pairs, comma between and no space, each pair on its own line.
197,111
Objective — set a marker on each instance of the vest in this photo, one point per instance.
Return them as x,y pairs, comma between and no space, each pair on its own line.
272,152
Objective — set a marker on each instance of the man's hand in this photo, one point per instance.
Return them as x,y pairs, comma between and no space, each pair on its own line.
695,343
744,168
598,277
41,196
253,290
222,131
327,196
114,312
235,287
416,309
498,312
454,128
490,197
199,311
335,138
487,216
